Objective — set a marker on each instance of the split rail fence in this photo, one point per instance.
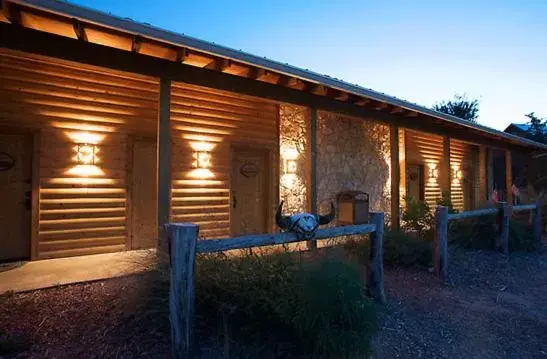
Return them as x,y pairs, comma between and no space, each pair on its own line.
184,245
504,212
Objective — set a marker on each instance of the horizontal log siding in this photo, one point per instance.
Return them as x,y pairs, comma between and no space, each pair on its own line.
426,149
78,214
40,92
222,120
462,158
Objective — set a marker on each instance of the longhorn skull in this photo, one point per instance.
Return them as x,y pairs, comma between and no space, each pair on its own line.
303,225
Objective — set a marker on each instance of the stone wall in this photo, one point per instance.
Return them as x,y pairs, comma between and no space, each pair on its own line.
293,137
352,154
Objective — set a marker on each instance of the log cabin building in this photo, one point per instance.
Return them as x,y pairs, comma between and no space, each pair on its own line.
111,128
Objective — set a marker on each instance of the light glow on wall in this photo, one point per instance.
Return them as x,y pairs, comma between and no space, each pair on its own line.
433,172
457,174
289,156
202,160
85,154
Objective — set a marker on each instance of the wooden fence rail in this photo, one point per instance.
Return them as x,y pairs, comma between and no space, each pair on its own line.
504,212
184,245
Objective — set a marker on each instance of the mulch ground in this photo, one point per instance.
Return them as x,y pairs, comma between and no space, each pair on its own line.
491,307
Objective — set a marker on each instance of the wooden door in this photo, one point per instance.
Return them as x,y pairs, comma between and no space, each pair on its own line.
144,195
249,191
15,196
415,182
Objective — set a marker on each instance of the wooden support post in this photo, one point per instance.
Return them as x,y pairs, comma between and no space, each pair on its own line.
376,260
489,172
164,160
182,239
441,241
537,230
402,168
483,196
509,176
395,177
446,170
312,245
502,240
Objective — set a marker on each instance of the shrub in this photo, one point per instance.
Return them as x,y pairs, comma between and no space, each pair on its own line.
476,233
400,249
417,217
270,305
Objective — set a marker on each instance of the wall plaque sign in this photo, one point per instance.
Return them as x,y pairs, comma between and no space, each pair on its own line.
6,162
249,169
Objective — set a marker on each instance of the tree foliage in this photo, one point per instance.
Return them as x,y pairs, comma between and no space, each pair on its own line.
537,128
461,106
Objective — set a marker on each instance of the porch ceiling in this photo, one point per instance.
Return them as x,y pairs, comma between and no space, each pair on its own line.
90,26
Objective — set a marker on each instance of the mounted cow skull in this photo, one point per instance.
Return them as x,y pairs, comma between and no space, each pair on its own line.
303,225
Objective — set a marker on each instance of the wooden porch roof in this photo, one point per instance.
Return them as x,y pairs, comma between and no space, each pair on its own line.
94,27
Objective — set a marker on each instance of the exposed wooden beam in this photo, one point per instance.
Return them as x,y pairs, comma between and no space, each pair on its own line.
182,55
381,106
11,12
79,30
319,90
136,44
46,44
342,96
396,110
297,84
412,114
218,65
362,102
256,73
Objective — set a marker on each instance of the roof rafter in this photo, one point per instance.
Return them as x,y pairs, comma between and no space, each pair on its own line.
79,30
219,65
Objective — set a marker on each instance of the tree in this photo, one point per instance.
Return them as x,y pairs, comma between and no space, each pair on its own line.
461,106
537,128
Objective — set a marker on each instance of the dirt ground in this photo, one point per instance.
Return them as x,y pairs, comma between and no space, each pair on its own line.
491,307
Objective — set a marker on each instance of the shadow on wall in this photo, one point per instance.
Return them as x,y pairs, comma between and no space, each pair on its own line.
353,154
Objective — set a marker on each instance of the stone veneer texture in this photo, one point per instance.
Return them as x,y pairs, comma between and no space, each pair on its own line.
293,133
352,154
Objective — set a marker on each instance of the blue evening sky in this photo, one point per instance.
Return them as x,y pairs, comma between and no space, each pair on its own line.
422,51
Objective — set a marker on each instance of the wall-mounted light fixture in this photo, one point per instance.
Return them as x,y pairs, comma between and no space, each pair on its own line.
289,166
457,173
433,172
202,159
85,153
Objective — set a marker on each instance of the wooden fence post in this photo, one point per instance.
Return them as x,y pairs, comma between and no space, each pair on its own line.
182,239
503,231
441,241
537,225
376,259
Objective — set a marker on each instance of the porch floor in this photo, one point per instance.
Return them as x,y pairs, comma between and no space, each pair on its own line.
53,272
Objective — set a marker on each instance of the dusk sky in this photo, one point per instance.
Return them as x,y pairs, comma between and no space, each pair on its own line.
421,51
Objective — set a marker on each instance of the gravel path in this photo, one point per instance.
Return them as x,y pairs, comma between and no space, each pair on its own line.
492,307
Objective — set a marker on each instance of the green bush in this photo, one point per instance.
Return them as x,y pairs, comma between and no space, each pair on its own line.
282,305
481,233
476,233
417,217
400,249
